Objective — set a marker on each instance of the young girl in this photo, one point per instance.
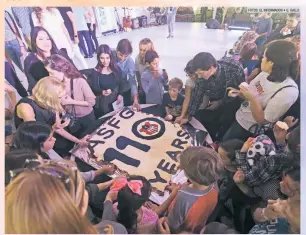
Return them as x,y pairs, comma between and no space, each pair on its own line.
133,192
79,98
153,79
106,81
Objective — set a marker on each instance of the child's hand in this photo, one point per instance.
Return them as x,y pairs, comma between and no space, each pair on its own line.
248,144
163,226
169,117
174,188
239,176
150,205
111,196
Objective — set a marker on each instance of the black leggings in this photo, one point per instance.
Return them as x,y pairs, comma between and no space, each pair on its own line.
236,132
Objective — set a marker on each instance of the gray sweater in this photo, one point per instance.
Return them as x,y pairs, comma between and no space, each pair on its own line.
153,87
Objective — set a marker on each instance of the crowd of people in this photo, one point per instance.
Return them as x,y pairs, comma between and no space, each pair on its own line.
247,181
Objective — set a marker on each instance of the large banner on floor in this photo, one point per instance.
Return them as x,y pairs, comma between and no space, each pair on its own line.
138,144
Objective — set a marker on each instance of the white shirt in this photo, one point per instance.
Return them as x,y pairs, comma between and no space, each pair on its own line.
273,108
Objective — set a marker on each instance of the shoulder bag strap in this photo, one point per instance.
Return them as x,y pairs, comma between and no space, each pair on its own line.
72,96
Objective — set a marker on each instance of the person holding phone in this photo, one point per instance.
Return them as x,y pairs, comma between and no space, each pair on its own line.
44,106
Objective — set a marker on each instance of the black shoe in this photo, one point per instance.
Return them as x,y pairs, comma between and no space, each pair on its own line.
91,56
169,36
86,57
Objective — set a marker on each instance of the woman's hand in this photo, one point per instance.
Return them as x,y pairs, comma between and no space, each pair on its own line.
247,93
290,121
84,141
67,100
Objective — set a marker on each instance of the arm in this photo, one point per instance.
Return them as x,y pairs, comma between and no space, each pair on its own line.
131,76
108,213
188,92
257,111
105,185
71,17
259,173
163,207
234,77
25,112
196,98
146,81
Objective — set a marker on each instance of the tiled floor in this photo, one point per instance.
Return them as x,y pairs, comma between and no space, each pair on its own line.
189,39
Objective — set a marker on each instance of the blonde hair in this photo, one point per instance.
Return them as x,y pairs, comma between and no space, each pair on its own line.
38,203
46,93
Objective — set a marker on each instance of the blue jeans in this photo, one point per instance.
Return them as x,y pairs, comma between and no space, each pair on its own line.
13,50
260,42
85,34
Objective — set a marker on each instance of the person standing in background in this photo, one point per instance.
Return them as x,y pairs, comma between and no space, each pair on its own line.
69,22
263,29
92,26
23,19
14,46
50,19
171,13
83,32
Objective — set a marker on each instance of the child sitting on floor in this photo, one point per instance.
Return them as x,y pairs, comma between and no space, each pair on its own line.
194,203
153,79
133,193
260,163
173,100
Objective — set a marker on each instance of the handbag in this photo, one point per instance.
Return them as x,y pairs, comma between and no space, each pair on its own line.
258,129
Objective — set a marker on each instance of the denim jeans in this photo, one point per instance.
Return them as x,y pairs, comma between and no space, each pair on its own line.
85,35
13,50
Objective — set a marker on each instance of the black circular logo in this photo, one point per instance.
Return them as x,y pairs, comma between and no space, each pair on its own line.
149,128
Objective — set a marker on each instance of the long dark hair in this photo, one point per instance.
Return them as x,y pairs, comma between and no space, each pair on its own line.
32,135
230,147
283,55
35,49
61,64
129,203
105,49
